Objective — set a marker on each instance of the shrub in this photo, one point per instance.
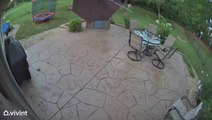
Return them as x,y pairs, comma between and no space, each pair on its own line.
127,20
164,29
75,25
205,95
112,21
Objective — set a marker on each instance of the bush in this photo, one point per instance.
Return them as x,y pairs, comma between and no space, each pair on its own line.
112,21
127,20
164,29
75,25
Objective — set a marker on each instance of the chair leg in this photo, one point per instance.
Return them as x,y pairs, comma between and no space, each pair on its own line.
166,116
158,63
134,55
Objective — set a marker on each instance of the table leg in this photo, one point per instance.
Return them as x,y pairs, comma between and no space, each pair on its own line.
147,51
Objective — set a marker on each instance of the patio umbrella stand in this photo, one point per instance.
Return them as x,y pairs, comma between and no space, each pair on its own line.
96,12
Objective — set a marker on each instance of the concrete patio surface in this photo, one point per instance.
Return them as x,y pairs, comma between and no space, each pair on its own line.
88,76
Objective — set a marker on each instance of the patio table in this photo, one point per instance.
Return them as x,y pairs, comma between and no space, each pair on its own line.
148,39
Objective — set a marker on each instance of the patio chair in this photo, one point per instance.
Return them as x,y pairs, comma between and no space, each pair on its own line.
160,56
168,43
180,111
134,24
135,42
152,29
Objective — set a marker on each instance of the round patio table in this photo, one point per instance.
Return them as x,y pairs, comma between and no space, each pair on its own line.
148,38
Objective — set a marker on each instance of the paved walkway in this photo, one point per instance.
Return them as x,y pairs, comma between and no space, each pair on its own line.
87,76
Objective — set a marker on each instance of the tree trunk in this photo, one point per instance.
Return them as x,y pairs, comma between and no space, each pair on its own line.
125,2
158,6
158,12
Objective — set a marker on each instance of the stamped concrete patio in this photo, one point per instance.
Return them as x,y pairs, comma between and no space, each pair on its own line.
87,76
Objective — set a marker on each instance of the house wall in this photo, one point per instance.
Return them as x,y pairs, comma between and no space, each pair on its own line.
98,24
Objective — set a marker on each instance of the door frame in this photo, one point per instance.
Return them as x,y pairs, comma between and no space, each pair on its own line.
7,81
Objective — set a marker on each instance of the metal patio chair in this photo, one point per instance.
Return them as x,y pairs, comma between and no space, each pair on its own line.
168,43
134,24
135,42
180,111
160,56
152,29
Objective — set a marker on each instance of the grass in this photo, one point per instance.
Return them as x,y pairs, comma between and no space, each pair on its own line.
143,16
191,57
205,57
28,28
18,11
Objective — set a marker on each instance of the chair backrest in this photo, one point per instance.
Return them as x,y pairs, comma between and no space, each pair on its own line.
178,111
134,24
170,53
169,40
135,42
152,29
181,108
195,111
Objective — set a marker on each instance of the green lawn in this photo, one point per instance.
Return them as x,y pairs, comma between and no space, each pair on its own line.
143,16
21,15
18,11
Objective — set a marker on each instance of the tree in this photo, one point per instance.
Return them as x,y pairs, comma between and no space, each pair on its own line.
158,3
125,2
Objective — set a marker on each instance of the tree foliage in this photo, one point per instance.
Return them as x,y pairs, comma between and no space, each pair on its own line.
158,3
